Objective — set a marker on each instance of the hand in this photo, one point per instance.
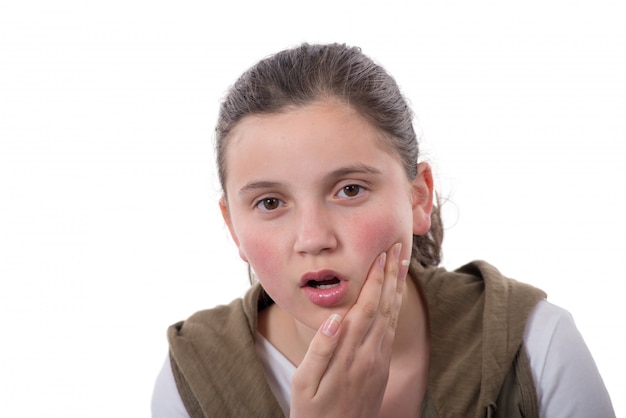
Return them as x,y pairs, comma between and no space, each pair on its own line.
345,370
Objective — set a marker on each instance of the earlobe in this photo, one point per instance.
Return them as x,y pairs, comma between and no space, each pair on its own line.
422,198
228,221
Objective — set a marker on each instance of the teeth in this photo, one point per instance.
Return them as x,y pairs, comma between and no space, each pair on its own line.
326,283
325,286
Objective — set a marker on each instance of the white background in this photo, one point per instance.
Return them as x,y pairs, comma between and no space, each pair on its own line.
109,228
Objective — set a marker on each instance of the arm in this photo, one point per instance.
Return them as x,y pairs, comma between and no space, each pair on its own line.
166,401
566,377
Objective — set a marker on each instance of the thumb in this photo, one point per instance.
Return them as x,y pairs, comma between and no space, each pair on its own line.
310,372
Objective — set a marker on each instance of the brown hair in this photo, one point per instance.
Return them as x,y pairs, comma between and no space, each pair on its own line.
307,73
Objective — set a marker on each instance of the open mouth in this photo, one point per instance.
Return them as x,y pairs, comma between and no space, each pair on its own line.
325,288
326,283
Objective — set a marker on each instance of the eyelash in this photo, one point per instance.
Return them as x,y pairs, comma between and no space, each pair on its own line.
358,187
277,203
261,204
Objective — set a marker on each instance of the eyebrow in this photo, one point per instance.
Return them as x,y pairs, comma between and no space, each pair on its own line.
259,185
340,172
354,169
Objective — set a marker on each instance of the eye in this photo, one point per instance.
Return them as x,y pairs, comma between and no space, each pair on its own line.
269,204
351,190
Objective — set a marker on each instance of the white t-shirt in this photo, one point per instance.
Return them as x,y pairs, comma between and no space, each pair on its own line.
566,377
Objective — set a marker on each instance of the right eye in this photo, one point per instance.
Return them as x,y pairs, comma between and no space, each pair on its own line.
269,204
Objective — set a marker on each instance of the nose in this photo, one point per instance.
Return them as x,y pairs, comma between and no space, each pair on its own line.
314,232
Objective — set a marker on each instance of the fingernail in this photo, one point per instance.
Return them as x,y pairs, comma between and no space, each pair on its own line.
331,325
382,259
404,269
396,250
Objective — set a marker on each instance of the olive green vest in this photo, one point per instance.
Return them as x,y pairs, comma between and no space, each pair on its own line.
478,366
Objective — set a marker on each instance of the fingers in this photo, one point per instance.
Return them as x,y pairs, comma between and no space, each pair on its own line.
351,356
309,374
372,292
393,296
388,297
383,330
375,313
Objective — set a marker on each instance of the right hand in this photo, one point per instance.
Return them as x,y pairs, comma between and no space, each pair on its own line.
345,370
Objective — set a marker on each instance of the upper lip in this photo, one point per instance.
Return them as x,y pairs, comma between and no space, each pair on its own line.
318,276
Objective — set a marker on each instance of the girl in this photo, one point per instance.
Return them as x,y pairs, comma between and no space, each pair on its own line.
349,315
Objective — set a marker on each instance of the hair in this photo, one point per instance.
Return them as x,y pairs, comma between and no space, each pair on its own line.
308,73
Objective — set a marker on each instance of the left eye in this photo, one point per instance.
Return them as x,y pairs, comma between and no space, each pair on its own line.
351,190
269,204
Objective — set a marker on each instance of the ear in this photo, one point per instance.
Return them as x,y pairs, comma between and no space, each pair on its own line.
229,223
422,191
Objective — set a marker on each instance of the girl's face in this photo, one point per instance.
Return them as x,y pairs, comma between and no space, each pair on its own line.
313,198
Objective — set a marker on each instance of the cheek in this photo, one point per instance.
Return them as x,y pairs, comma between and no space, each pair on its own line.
262,256
378,233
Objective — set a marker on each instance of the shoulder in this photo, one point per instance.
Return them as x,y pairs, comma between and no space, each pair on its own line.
566,377
546,320
213,360
222,333
476,277
477,318
166,401
220,322
202,342
476,286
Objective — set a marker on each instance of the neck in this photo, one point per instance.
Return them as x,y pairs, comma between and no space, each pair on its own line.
412,331
293,338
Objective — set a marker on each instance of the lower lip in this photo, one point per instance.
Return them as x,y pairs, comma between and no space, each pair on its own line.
327,297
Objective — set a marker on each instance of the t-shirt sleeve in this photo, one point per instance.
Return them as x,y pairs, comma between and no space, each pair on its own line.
565,374
166,401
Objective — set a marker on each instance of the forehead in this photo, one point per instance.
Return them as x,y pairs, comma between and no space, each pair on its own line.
316,125
310,139
307,149
314,128
321,116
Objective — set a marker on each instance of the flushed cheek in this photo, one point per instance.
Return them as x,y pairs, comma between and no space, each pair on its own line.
378,234
264,257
